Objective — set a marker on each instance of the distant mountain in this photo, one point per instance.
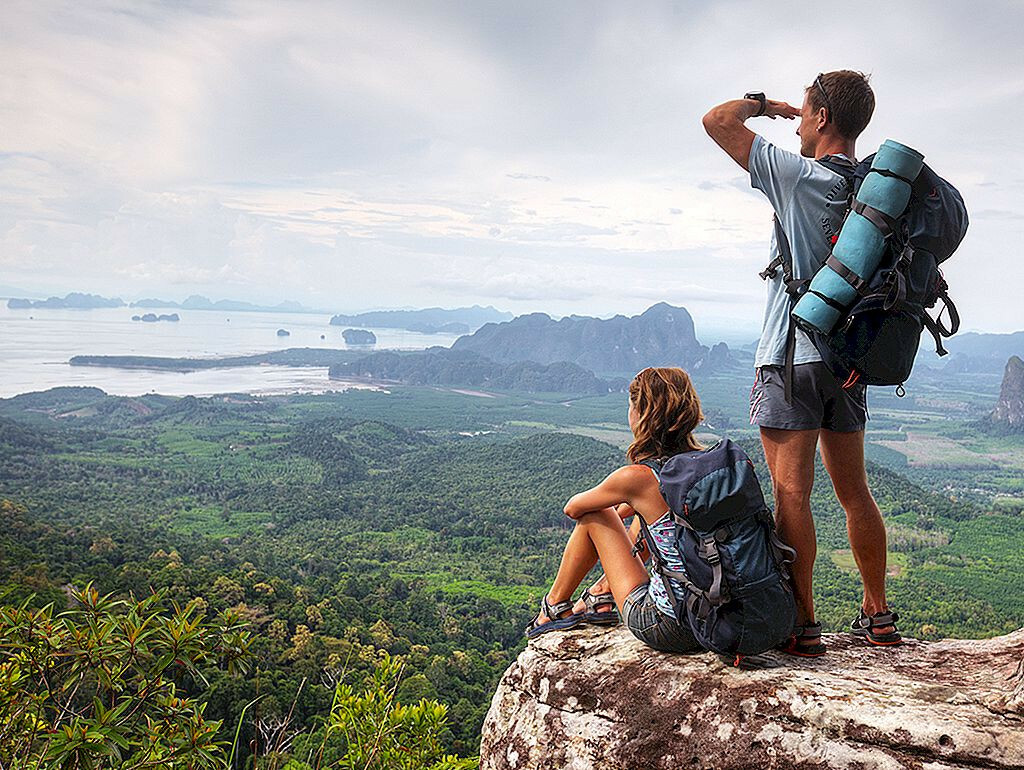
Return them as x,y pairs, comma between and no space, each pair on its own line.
454,327
661,336
431,319
973,352
74,301
441,366
199,302
156,304
1009,411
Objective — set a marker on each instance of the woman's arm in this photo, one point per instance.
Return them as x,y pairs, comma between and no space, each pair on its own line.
620,487
624,510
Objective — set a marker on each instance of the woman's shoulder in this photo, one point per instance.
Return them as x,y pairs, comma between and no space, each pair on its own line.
636,475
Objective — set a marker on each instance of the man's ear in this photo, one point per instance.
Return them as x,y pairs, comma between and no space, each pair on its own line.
822,119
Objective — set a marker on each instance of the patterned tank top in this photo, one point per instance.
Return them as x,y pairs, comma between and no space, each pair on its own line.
664,533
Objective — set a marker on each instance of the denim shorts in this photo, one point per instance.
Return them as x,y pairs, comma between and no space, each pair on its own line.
653,627
819,400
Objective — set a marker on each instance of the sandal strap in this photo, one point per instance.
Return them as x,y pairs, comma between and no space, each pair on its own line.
554,610
883,619
593,601
808,631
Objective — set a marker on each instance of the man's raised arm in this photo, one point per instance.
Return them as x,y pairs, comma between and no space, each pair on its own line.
724,124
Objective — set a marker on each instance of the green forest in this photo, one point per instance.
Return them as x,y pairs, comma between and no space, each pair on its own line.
327,551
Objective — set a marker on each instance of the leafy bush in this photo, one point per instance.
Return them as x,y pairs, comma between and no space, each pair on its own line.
369,729
111,683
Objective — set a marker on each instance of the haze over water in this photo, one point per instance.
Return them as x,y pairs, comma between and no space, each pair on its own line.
36,345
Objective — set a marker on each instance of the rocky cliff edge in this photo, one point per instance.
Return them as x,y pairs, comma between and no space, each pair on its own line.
594,698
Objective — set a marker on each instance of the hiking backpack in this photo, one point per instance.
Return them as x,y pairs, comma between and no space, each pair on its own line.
738,597
876,340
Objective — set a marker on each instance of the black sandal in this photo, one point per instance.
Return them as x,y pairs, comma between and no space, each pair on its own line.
555,623
865,625
805,642
592,602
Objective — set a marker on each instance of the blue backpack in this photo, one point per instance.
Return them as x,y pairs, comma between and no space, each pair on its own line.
877,338
738,598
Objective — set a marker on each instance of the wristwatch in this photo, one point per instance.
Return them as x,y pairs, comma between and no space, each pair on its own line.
757,96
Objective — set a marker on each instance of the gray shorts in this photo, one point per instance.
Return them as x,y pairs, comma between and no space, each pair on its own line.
653,627
819,400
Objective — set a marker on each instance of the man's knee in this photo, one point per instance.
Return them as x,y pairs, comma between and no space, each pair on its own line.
854,495
792,491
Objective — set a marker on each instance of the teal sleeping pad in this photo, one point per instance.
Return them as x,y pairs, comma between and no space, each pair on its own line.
860,245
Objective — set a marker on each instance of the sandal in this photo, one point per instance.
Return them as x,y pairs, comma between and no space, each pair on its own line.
555,623
592,615
805,641
865,626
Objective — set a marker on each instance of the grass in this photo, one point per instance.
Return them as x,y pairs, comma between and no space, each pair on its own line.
927,450
212,521
843,558
508,595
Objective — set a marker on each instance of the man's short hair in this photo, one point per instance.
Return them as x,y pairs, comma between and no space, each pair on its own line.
847,98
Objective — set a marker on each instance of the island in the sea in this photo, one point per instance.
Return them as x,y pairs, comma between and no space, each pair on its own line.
289,357
199,302
431,320
153,317
359,337
73,301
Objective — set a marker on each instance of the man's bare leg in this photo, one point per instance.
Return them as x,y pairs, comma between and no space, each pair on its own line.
790,456
843,455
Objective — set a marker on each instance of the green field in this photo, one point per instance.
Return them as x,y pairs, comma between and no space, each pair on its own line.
427,523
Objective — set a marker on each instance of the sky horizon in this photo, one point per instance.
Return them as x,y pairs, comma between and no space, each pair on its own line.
537,158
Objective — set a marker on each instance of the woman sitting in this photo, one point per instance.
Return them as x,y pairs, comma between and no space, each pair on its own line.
664,410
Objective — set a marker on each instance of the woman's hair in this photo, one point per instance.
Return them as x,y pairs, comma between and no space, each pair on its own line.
667,412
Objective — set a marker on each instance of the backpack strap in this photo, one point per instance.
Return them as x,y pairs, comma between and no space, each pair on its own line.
795,287
886,224
783,554
937,328
714,596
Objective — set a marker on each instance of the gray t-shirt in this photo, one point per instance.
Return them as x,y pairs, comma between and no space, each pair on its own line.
810,201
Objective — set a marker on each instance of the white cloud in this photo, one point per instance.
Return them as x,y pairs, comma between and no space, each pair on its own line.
550,155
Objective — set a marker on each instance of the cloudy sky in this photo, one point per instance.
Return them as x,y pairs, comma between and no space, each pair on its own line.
534,156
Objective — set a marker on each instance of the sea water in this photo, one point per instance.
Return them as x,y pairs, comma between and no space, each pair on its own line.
36,345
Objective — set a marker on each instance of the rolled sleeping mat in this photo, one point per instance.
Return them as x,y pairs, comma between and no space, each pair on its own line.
861,243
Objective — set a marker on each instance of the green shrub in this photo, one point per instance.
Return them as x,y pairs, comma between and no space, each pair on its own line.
112,684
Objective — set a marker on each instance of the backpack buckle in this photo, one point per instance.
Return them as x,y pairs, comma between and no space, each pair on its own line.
709,550
772,269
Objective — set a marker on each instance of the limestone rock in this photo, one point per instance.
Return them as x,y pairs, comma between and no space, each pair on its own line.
1010,407
662,335
597,699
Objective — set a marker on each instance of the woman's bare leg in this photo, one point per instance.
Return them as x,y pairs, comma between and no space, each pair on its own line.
601,586
598,535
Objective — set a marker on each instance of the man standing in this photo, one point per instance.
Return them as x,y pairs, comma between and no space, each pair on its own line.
796,401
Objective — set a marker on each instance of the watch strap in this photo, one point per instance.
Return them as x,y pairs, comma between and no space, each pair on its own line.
759,97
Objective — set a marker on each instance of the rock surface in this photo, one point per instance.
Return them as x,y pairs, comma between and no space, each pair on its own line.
589,699
1010,407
